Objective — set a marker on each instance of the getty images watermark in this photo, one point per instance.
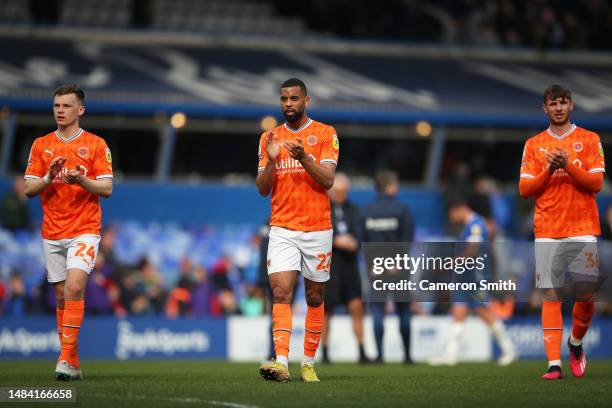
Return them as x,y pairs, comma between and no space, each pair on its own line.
412,264
474,272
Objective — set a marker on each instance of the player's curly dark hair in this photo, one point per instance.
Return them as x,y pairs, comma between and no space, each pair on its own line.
557,91
295,82
68,89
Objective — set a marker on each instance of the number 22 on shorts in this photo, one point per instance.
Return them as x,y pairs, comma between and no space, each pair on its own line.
325,262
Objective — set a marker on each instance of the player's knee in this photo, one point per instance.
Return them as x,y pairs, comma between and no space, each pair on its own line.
314,299
59,298
73,290
281,295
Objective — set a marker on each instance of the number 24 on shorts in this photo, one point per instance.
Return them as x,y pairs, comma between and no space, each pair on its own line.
81,251
325,262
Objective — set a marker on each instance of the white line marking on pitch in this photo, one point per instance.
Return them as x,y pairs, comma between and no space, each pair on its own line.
179,399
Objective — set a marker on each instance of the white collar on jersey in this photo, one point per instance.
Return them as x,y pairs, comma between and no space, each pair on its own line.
559,137
68,139
304,126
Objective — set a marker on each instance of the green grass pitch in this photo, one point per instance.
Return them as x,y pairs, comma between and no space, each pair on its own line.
205,383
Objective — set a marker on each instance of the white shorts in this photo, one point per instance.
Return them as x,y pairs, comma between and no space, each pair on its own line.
576,255
308,252
71,253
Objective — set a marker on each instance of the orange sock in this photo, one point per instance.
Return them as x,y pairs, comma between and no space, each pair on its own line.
583,313
552,328
73,317
59,314
281,329
315,316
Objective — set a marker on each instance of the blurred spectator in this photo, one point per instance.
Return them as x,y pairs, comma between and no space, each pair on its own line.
107,244
252,304
150,283
606,224
179,298
14,212
222,287
203,299
132,300
2,295
102,291
15,303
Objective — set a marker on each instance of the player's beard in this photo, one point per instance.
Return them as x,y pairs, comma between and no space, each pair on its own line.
296,117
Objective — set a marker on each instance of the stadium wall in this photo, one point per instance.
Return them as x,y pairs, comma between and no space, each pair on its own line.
246,339
216,203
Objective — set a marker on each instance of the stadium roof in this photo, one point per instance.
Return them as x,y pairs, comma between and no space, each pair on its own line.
351,82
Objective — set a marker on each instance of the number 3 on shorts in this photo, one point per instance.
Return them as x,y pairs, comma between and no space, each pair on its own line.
325,262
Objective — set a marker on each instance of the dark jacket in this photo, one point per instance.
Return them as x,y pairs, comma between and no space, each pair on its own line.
386,219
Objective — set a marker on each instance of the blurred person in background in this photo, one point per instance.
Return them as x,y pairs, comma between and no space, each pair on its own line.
102,292
107,244
222,285
16,302
150,284
14,211
606,224
2,295
204,301
178,302
132,299
473,241
387,219
344,285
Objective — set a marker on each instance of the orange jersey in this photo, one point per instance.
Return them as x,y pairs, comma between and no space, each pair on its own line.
68,209
561,208
298,201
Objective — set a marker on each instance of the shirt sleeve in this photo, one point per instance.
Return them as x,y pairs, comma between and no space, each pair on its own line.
330,148
262,153
36,165
595,161
528,163
103,162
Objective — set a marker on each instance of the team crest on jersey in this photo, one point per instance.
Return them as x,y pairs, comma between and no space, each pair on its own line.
335,142
83,152
109,157
578,146
311,140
